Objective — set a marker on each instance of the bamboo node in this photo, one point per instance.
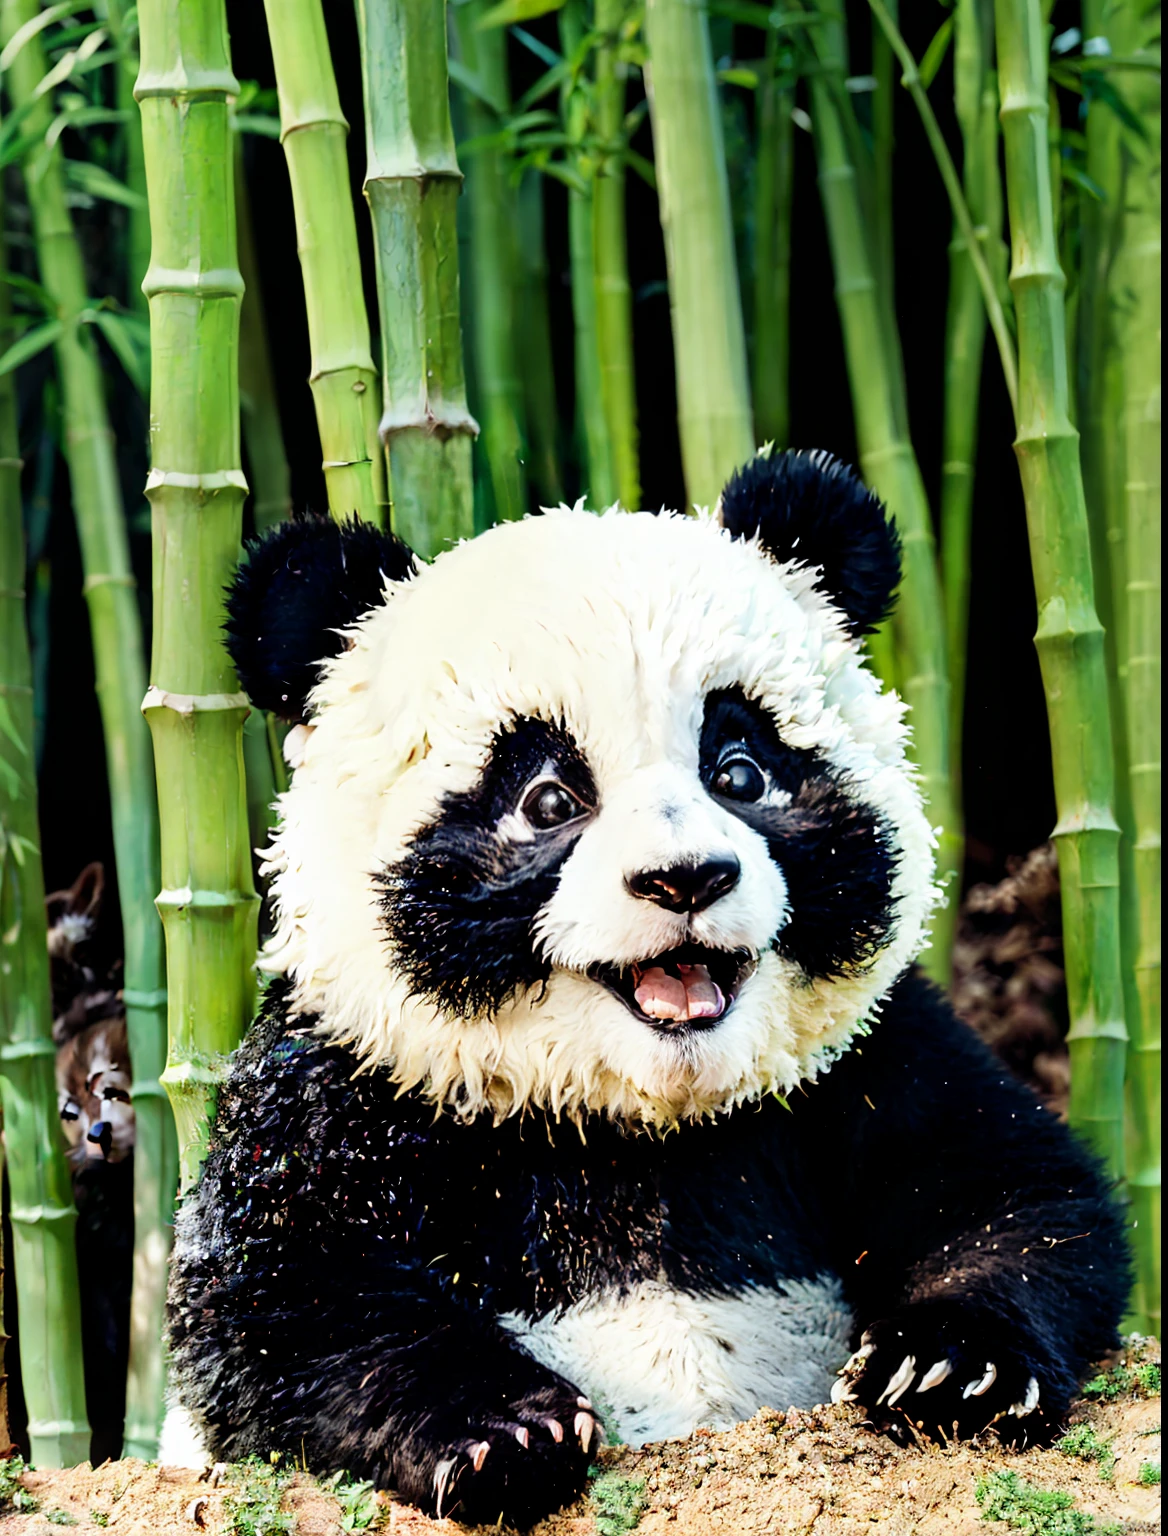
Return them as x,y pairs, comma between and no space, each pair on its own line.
442,422
33,1214
214,283
133,997
193,703
181,897
106,579
182,81
217,480
324,119
19,1050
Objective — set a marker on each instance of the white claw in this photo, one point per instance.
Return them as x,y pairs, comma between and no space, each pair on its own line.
583,1427
524,1438
935,1375
900,1380
583,1402
479,1454
976,1388
1030,1402
557,1430
441,1478
840,1391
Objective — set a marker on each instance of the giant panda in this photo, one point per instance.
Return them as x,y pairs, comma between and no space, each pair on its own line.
594,1091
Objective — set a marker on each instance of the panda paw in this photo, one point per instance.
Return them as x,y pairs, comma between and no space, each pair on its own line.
516,1465
947,1372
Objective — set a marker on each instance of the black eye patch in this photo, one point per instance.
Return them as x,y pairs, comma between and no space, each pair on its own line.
460,905
834,851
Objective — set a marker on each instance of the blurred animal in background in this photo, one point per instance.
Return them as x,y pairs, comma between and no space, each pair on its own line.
89,1029
1008,976
94,1079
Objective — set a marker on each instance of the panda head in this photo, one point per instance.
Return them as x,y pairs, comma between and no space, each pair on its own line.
596,812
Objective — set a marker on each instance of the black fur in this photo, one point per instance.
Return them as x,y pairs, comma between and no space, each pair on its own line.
461,904
833,851
342,1264
297,586
813,508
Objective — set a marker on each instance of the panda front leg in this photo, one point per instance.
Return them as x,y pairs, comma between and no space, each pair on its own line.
461,1423
987,1260
390,1380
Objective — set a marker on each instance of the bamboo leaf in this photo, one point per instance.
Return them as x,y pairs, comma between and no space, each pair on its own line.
8,727
747,78
542,52
934,54
82,117
128,338
467,81
508,12
96,181
1079,177
34,25
30,344
34,290
72,63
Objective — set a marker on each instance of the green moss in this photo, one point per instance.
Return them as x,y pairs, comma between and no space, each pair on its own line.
1083,1443
618,1502
253,1509
1142,1380
98,1517
60,1517
1034,1511
13,1493
1149,1474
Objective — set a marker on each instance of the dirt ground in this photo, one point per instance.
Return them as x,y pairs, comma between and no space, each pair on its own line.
819,1471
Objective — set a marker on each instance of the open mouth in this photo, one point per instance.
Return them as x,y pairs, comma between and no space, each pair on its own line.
688,988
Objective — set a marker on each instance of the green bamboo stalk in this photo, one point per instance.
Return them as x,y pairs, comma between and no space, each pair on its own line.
121,676
196,491
1070,637
492,217
975,92
271,478
883,164
138,215
774,190
599,474
614,300
713,394
1137,283
43,1215
876,376
412,182
313,131
535,345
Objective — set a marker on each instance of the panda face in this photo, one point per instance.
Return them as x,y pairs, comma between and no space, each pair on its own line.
600,813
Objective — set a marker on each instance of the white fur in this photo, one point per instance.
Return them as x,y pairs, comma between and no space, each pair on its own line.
661,1362
618,625
182,1442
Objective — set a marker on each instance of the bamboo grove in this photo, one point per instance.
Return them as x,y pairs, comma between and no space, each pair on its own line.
500,144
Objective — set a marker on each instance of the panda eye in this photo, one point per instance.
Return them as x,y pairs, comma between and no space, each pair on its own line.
739,778
548,804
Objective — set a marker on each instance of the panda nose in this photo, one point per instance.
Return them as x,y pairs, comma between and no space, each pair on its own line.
686,887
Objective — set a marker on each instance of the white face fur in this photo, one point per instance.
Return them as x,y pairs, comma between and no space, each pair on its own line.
614,635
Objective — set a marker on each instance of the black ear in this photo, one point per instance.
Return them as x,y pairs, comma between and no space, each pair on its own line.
295,587
813,508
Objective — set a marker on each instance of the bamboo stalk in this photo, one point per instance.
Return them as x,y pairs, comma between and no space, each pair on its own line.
535,345
614,300
1137,286
774,190
599,483
975,93
492,218
412,182
138,216
313,131
876,376
43,1215
1070,637
196,491
271,479
713,395
117,648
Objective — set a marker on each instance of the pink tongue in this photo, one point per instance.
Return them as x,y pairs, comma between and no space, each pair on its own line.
689,995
